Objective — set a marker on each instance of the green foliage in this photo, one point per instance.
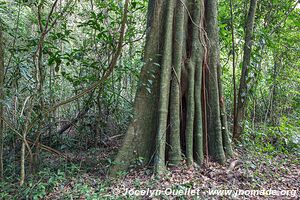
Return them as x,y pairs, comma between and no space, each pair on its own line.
77,51
274,140
35,188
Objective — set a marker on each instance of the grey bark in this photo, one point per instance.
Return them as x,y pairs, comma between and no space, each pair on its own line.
2,70
243,91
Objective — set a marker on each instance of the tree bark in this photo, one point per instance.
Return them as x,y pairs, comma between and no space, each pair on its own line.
175,101
163,103
213,107
167,119
225,132
243,90
233,66
2,70
144,124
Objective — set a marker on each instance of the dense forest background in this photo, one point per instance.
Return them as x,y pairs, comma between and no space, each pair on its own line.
69,72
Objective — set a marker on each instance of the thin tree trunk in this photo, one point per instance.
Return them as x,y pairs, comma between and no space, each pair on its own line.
40,85
23,151
2,70
23,148
233,67
225,132
277,66
243,91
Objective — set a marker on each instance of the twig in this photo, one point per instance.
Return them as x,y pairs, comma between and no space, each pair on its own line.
106,73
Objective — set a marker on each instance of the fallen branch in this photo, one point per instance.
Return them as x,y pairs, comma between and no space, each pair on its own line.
49,149
79,116
234,165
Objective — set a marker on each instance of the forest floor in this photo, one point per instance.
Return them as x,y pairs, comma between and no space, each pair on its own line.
83,176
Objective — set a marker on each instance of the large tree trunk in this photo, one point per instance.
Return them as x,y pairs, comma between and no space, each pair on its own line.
1,101
168,110
243,91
